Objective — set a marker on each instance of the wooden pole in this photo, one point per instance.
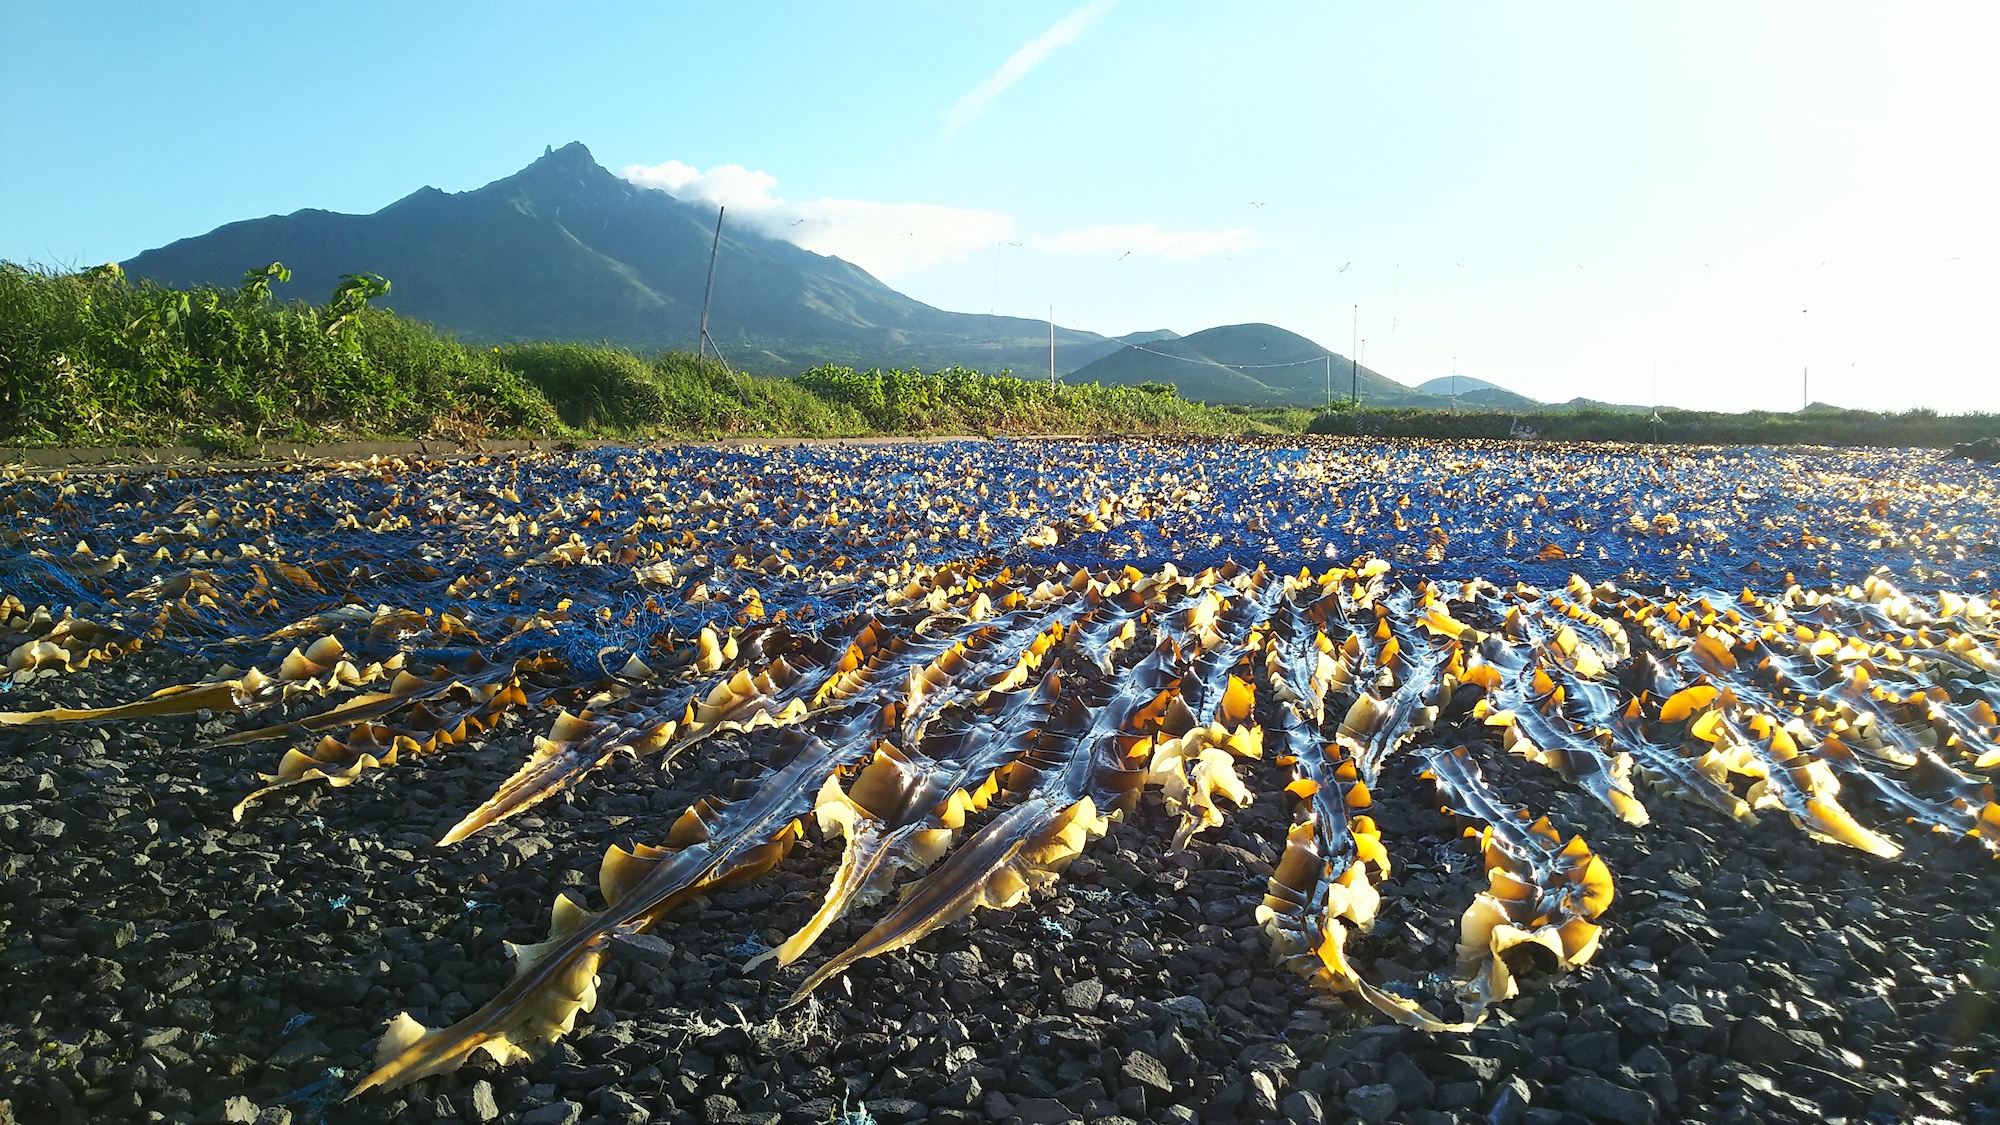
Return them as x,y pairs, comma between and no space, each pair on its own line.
709,291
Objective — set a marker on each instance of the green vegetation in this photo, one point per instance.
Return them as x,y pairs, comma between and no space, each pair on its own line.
1820,425
89,359
955,400
86,358
612,392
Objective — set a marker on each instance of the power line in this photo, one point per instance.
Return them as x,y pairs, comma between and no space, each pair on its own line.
1230,366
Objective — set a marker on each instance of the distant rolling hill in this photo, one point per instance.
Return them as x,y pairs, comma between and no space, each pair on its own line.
1466,392
1251,364
565,250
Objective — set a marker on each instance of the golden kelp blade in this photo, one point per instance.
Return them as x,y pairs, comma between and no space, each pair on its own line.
574,745
773,697
1321,882
1194,768
1541,893
1701,778
1804,787
875,853
713,843
1025,848
1579,758
1976,818
903,811
320,670
335,762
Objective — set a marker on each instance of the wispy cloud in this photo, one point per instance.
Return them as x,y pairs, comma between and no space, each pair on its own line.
1145,239
886,239
1031,54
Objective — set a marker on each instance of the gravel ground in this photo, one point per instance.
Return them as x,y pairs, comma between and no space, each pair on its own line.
164,964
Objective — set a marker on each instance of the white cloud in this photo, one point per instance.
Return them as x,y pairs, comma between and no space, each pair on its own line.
1145,239
1031,54
886,239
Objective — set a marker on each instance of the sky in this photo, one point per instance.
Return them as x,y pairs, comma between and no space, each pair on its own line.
1713,205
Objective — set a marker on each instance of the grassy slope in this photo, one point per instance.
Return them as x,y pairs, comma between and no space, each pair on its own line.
88,359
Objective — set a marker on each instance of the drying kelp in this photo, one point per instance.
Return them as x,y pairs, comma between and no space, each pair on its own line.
964,663
716,842
1542,894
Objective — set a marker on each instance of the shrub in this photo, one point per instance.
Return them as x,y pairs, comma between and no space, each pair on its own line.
592,387
89,357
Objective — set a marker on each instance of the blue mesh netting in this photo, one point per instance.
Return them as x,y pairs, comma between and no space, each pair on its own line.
218,560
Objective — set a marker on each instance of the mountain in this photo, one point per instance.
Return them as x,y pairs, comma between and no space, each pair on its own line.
1477,394
1449,385
1252,364
565,250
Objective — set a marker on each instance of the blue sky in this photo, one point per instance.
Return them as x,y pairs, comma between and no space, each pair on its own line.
1562,198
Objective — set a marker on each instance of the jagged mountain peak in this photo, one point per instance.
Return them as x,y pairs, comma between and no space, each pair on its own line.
564,249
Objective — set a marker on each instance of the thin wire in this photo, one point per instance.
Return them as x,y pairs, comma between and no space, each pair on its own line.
1232,366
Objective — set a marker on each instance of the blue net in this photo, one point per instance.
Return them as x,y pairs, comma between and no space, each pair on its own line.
609,554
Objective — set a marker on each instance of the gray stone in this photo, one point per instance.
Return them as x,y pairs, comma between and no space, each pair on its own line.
1135,949
1873,1010
617,1105
1179,1115
1508,1103
274,1115
1592,1050
962,1092
299,1050
962,964
1457,1095
895,1111
1142,1069
1447,1067
237,1110
1083,1095
643,949
1759,1040
1044,1111
480,1106
1270,1055
1414,1089
718,1108
1084,995
1302,1107
1188,1011
1261,1096
331,989
1607,1101
1372,1104
554,1113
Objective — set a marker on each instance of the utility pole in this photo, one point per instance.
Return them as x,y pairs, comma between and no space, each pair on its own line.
701,351
1354,360
1052,347
1805,372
